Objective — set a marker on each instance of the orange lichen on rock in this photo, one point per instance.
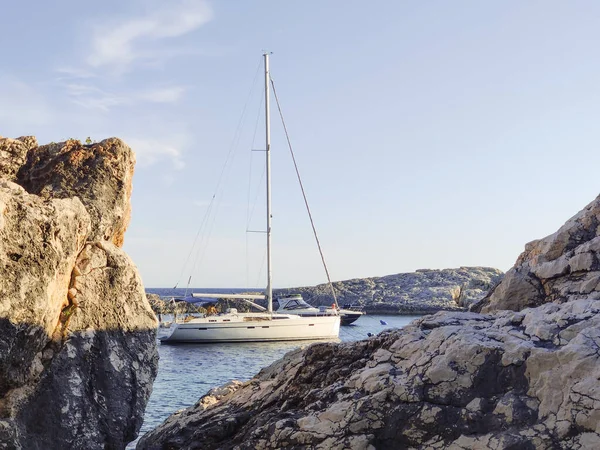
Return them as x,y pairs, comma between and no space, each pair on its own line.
100,175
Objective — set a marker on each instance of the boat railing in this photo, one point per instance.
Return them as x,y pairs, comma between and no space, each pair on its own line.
351,307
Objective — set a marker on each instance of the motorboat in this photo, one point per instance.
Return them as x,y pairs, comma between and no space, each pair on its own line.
295,304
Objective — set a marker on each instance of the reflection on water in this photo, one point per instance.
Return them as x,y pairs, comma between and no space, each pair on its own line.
186,372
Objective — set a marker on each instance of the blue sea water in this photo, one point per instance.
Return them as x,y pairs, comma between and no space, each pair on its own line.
187,372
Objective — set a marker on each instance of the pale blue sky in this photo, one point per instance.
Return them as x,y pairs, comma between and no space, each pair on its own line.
429,134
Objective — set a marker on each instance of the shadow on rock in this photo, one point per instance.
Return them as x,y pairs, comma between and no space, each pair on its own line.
89,391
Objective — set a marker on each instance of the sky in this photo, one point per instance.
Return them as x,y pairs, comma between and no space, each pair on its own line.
427,134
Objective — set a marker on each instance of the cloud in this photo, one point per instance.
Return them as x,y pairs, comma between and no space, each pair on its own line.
92,97
115,46
119,45
68,73
151,151
169,94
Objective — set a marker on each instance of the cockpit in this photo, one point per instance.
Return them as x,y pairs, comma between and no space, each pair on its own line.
291,303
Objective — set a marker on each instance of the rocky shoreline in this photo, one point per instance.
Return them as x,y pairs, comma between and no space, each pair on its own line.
522,373
425,291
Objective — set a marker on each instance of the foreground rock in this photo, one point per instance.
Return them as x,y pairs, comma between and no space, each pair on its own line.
522,379
421,292
452,380
100,175
13,154
562,267
77,335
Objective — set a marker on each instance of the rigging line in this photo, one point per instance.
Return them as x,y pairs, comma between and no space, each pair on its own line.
249,213
287,136
247,262
206,238
205,241
201,250
233,145
203,226
187,260
237,134
258,191
260,270
258,115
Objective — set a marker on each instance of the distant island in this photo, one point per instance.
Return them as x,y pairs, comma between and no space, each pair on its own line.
422,292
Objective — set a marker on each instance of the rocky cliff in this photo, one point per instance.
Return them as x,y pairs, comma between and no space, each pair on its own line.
562,267
77,335
420,292
525,378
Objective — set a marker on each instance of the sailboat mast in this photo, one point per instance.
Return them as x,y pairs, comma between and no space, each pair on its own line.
269,293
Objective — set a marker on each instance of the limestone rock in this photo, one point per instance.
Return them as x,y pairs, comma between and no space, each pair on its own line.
451,380
77,335
30,142
423,291
101,366
39,243
13,153
561,267
511,379
99,174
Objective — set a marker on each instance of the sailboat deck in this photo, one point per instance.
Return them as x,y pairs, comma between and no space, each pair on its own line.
254,327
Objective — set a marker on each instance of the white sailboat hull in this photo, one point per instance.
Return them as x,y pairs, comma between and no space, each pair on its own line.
253,328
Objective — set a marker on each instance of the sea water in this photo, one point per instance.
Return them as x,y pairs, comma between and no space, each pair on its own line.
187,372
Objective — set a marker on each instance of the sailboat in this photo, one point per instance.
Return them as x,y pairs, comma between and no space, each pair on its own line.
266,325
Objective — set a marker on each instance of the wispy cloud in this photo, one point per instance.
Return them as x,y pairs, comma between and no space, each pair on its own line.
170,94
91,97
103,94
119,45
69,73
150,151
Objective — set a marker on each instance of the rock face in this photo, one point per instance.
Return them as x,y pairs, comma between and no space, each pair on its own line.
13,153
77,335
100,175
420,292
452,380
562,267
522,379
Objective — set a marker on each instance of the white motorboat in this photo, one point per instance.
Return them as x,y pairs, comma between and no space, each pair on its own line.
295,304
267,325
